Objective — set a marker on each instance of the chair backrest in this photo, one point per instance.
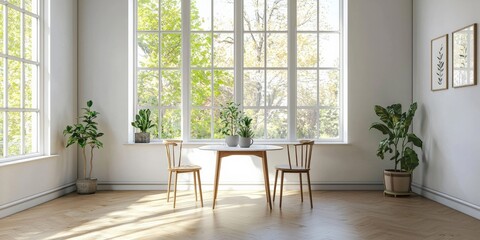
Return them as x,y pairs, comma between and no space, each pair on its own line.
302,153
174,152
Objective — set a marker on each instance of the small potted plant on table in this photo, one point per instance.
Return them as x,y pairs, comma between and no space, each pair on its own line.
245,132
230,117
143,122
85,134
398,141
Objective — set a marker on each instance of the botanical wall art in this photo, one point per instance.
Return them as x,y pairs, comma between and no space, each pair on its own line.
439,63
464,55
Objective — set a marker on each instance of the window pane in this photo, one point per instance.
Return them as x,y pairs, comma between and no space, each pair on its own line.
223,15
31,5
329,50
277,88
254,88
31,86
223,50
14,34
306,88
253,15
147,88
217,125
171,15
171,123
16,2
330,12
201,15
147,15
307,15
258,121
277,15
306,123
171,50
2,115
2,81
2,30
201,89
30,132
254,50
329,122
14,84
14,134
171,94
277,124
277,50
329,88
223,86
201,53
306,50
147,50
30,32
200,126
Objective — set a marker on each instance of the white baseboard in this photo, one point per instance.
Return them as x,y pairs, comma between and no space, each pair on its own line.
162,186
34,200
447,200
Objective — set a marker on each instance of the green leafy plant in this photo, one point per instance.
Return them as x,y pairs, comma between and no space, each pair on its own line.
245,129
396,125
230,117
143,121
85,134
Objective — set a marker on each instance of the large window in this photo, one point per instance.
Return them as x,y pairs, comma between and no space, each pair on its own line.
281,60
19,78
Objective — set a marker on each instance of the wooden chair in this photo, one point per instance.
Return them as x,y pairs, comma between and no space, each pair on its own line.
174,158
303,157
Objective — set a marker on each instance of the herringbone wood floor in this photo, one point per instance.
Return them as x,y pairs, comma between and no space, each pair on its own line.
239,215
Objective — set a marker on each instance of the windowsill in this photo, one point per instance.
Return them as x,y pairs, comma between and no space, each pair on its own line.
25,160
222,142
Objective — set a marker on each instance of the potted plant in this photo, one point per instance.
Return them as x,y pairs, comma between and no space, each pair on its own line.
230,118
143,122
395,124
245,132
85,134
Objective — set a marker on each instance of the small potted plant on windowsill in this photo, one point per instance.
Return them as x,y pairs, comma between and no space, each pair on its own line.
396,125
143,122
230,118
85,134
245,132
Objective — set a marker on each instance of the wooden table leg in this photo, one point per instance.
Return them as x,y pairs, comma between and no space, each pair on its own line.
217,176
267,181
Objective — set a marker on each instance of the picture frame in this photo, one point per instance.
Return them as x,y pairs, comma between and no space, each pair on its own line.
439,63
464,56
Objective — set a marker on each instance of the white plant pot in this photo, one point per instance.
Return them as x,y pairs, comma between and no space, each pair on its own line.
245,142
232,141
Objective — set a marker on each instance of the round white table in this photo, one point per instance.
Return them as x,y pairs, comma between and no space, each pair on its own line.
254,150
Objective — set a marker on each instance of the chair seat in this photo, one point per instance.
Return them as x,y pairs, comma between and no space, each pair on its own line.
185,168
286,168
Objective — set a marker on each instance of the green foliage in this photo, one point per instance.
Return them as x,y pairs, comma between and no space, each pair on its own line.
245,130
230,117
143,121
396,125
85,134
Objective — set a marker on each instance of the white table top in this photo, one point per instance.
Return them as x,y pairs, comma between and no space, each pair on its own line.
252,148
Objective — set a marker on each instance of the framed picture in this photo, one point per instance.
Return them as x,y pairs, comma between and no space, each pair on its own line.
439,63
464,55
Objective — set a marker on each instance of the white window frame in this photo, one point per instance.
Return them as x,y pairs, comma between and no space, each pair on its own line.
239,69
38,95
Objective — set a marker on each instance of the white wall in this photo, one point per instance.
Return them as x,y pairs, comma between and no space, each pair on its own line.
447,121
30,183
379,73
